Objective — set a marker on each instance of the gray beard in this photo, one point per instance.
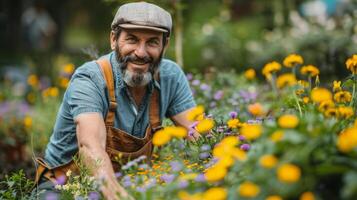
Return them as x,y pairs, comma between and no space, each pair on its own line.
136,79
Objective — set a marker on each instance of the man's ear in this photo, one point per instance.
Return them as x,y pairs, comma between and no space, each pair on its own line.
112,40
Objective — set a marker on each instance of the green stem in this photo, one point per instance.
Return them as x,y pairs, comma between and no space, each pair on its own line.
310,83
298,104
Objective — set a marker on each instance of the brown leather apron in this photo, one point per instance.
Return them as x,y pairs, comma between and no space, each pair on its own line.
120,146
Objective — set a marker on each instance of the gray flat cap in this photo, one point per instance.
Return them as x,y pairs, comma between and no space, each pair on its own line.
142,15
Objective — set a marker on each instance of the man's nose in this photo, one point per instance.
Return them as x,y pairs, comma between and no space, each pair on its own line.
140,51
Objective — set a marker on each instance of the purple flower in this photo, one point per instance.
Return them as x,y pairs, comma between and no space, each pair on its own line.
118,174
196,82
175,166
205,147
245,147
248,96
51,196
200,178
189,76
204,155
93,196
194,124
241,137
127,183
167,178
141,189
218,95
183,184
212,104
233,114
61,180
205,87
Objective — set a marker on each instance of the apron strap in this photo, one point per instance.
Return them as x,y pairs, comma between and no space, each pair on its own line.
154,109
107,73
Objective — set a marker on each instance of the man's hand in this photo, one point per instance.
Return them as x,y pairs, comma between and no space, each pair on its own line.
91,135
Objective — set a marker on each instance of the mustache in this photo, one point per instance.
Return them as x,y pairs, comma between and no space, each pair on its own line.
137,60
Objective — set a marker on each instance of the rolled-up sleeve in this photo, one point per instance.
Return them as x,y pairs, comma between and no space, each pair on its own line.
182,98
85,94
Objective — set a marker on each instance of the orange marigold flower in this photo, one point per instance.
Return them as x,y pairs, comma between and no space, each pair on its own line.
288,173
331,112
215,174
309,70
248,189
343,97
249,74
161,137
270,68
351,64
327,104
196,114
292,60
345,112
320,94
307,196
256,109
204,126
251,131
277,136
268,161
288,121
347,140
215,193
287,79
274,197
233,123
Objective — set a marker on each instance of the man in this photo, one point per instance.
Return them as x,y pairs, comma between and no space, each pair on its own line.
115,104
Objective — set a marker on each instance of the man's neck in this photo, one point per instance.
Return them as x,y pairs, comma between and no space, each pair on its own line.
138,93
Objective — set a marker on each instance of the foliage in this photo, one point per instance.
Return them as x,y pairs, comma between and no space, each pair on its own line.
16,186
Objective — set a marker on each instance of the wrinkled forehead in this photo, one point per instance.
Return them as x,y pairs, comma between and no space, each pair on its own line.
142,33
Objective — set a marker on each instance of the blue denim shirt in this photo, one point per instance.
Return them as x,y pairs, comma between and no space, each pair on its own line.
87,92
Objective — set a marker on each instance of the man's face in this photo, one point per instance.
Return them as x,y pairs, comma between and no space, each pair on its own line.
139,52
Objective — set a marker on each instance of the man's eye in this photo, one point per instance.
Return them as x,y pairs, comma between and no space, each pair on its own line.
153,42
131,40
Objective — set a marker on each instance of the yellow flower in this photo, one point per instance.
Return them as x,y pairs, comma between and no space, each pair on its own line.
337,86
32,80
307,196
238,154
270,68
248,189
288,121
251,131
286,80
331,112
176,131
69,173
229,141
28,122
347,140
225,161
309,70
327,104
305,100
288,173
53,91
63,82
249,74
161,137
186,196
277,136
256,109
343,97
320,94
205,125
68,68
292,60
268,161
345,112
196,114
274,197
215,174
299,92
215,193
233,123
351,64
